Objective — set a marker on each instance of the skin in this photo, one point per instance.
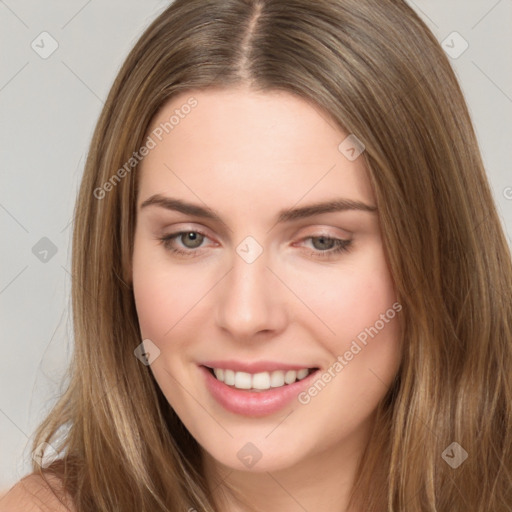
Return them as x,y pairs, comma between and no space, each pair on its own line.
247,155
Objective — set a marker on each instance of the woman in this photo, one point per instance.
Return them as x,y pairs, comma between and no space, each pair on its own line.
291,287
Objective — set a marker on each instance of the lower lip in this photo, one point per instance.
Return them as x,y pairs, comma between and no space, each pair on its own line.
251,403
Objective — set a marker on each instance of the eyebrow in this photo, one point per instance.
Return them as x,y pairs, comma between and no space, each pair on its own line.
286,215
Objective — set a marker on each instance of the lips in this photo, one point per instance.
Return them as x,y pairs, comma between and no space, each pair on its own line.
246,388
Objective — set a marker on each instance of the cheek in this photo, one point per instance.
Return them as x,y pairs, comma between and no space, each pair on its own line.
164,301
154,305
162,296
349,299
361,309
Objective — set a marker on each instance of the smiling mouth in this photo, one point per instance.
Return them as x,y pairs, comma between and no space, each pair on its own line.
262,381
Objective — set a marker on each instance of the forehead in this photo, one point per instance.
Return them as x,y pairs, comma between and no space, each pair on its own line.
238,143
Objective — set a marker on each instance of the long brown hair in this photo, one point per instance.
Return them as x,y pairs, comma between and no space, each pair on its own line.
380,74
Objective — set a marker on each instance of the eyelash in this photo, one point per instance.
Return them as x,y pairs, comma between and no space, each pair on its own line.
340,245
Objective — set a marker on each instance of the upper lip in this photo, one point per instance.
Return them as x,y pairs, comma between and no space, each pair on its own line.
254,366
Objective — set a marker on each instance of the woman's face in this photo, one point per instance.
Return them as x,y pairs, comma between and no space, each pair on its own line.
258,254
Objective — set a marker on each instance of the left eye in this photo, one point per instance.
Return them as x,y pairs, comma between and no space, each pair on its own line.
323,243
324,246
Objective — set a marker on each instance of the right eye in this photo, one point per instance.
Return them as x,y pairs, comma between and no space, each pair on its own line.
184,243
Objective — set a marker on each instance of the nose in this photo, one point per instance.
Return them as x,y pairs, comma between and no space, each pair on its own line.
250,301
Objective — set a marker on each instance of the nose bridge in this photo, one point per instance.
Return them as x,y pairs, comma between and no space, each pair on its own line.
248,303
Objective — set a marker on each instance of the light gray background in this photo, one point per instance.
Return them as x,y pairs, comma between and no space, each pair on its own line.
49,107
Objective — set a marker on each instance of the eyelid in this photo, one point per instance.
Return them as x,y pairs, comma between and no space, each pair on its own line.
184,227
314,230
327,236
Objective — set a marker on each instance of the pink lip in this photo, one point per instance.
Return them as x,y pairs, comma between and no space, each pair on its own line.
252,403
254,367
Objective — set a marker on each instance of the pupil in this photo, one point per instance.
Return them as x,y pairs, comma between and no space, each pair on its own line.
323,242
192,240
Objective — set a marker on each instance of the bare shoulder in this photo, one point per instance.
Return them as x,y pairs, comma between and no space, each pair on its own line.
34,494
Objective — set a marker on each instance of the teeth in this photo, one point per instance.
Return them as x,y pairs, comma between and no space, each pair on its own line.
243,380
260,381
276,379
290,376
301,374
229,377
